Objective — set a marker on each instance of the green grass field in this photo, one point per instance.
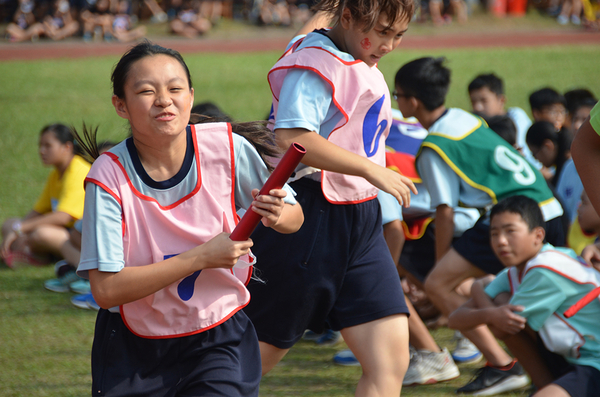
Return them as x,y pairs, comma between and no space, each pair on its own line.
45,342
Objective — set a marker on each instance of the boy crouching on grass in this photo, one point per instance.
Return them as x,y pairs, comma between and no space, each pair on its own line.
525,304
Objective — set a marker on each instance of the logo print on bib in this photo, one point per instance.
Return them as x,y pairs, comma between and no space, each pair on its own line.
372,129
185,289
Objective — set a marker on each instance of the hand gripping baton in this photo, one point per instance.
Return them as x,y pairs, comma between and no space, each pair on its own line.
280,175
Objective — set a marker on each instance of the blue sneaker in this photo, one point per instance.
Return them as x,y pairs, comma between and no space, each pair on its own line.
80,301
62,283
466,352
329,338
80,286
346,358
91,302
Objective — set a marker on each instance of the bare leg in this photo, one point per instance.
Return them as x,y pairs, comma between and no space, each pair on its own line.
270,356
552,390
441,286
48,239
381,347
420,337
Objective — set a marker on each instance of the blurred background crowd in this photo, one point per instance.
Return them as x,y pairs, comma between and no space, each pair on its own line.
127,20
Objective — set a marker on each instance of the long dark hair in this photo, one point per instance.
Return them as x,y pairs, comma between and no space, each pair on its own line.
255,132
540,131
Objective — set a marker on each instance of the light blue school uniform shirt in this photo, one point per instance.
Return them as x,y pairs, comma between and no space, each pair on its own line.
523,122
102,248
543,292
569,189
305,99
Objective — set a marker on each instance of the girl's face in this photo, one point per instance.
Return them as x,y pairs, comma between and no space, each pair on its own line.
52,151
371,46
546,153
158,98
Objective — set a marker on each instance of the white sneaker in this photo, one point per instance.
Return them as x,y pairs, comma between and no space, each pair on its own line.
466,352
427,367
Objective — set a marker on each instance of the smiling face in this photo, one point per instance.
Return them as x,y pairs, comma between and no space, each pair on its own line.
512,241
157,100
371,46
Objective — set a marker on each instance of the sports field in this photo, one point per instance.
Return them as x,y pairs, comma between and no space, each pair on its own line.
45,342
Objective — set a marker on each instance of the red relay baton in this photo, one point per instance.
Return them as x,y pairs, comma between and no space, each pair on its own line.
280,175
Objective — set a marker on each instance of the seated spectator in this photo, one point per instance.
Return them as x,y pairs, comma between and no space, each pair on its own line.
573,100
527,304
553,150
122,26
486,93
188,21
505,128
580,112
274,12
439,17
60,23
39,236
24,26
98,19
570,10
211,110
547,104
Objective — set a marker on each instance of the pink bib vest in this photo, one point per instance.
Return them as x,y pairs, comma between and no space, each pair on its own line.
153,232
361,95
558,334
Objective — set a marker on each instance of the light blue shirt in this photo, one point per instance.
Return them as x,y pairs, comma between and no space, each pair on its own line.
569,189
102,247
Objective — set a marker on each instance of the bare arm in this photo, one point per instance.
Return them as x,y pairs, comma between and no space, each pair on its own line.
586,156
322,154
132,283
503,318
444,230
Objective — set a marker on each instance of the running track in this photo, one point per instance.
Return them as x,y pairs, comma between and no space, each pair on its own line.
77,49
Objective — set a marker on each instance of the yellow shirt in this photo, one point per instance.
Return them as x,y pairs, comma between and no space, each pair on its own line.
65,194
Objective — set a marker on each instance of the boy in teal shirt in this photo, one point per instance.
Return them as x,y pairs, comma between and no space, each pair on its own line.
525,304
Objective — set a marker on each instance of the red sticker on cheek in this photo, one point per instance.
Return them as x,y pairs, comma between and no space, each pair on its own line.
365,43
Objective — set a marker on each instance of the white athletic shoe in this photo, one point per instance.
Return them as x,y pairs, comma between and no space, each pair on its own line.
427,367
466,352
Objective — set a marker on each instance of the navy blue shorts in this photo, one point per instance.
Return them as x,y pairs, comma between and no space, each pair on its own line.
474,244
336,271
222,361
577,380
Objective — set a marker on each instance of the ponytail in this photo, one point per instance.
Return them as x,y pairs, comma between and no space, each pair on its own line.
255,132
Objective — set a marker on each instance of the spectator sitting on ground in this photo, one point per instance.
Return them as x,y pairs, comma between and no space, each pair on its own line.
486,93
122,26
547,104
60,24
573,99
98,19
553,150
526,304
457,7
580,112
39,236
505,128
24,26
188,22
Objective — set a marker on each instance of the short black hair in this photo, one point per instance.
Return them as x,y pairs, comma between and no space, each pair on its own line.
490,80
546,97
576,97
503,126
528,208
426,79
